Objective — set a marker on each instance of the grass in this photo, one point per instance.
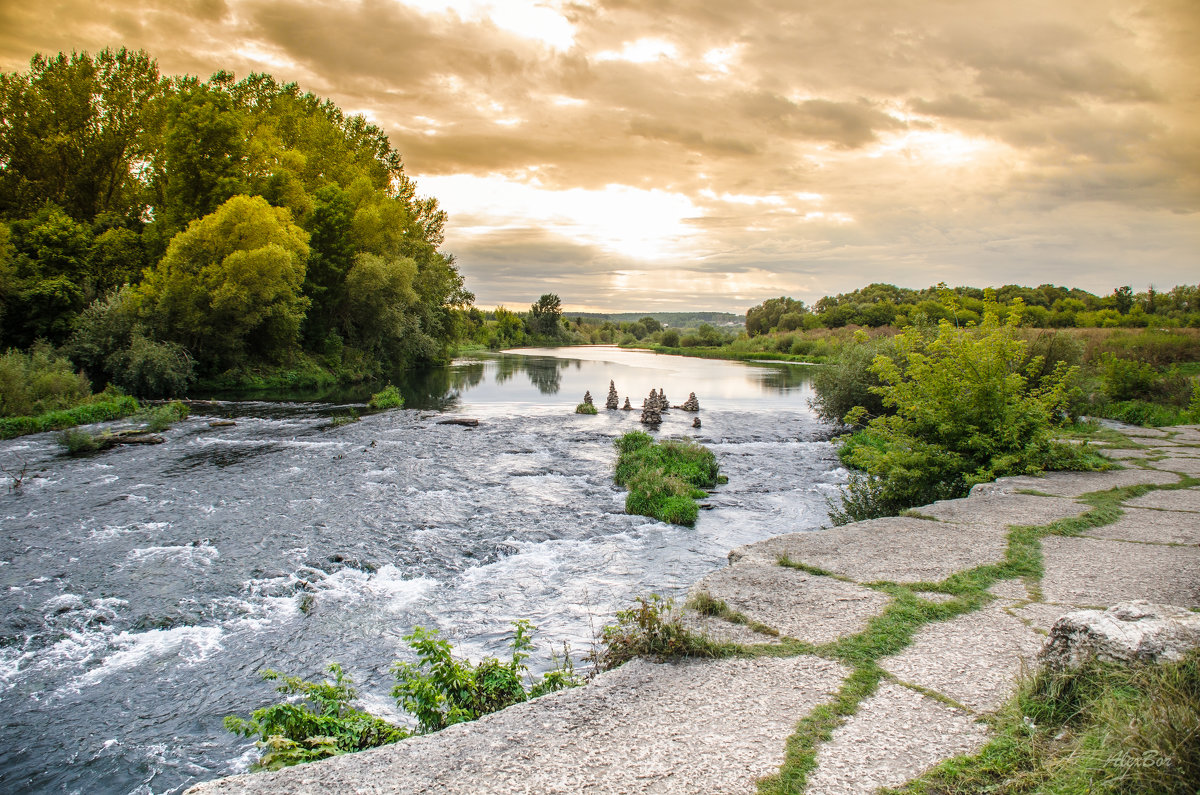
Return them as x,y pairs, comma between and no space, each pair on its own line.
389,398
664,478
654,628
160,418
1101,729
110,407
585,408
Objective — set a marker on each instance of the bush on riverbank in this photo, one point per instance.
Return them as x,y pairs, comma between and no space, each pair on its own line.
664,479
318,725
1102,729
103,410
438,690
962,406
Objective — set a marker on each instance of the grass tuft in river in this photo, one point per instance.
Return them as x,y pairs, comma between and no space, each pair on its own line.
665,478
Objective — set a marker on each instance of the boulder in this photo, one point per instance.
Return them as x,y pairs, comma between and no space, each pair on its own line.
613,400
1137,631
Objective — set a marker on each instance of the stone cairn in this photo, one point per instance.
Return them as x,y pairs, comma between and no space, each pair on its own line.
650,411
691,404
627,407
663,403
587,398
613,400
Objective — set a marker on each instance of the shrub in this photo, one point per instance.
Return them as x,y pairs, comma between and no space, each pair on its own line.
670,338
964,412
39,381
653,628
440,691
850,381
160,418
82,442
585,408
320,725
150,368
389,398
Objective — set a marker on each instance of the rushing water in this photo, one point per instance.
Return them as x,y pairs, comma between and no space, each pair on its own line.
143,589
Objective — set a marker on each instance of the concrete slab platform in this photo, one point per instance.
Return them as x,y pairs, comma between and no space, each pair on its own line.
1177,463
1073,484
1092,572
625,732
1010,590
1152,527
799,605
1004,509
1040,615
1173,500
896,735
896,549
974,659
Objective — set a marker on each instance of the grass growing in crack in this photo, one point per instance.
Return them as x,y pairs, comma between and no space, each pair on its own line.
1101,729
654,628
705,604
894,629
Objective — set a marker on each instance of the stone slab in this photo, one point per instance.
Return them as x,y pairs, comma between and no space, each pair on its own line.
1012,590
724,631
896,735
1093,572
1074,484
1177,463
1173,500
1004,509
897,549
974,659
800,605
1123,454
701,726
1152,527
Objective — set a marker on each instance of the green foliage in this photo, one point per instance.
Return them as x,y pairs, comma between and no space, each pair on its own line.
388,398
107,406
321,724
585,408
652,627
850,380
160,418
964,411
1103,728
440,690
81,442
664,479
39,381
545,315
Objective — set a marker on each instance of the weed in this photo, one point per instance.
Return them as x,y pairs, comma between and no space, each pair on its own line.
585,408
652,627
160,418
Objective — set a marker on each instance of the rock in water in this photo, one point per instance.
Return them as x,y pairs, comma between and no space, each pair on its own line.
613,401
627,407
696,423
691,404
1137,631
650,412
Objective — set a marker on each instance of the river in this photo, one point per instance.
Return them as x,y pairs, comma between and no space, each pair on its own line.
142,590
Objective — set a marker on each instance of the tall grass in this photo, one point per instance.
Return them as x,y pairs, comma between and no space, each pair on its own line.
664,479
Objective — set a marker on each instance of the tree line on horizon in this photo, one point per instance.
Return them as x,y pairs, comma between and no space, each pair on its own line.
1044,306
161,228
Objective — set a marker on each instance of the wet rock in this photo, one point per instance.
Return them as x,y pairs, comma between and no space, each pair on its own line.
613,401
691,404
696,422
1137,631
222,424
466,422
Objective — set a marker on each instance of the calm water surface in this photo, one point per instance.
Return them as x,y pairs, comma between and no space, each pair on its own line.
143,589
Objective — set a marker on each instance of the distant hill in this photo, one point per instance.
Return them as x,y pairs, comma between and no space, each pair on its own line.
676,320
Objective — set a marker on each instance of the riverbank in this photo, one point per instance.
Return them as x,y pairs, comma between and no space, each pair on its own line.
878,661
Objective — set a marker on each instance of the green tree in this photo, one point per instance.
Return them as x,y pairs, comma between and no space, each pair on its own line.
74,129
231,278
545,314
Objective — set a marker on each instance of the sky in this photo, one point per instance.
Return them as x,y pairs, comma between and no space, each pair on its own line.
675,155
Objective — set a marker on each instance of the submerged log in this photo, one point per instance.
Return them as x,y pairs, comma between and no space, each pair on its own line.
466,422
